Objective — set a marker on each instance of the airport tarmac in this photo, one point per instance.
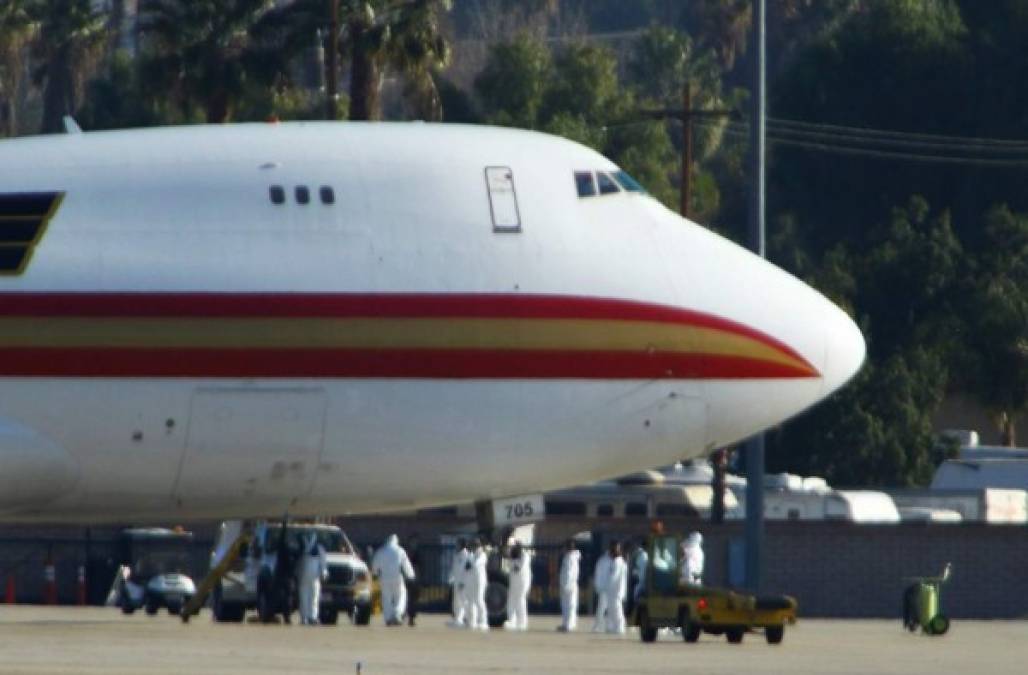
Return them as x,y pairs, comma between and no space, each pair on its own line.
99,640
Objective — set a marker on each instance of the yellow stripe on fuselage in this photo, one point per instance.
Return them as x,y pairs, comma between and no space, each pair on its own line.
391,333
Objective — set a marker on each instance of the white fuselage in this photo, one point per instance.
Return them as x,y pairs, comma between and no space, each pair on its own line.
176,345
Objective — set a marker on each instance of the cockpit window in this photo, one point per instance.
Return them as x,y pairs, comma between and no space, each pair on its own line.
627,182
607,184
585,184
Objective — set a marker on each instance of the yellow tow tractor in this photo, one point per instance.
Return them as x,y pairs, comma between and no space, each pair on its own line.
668,603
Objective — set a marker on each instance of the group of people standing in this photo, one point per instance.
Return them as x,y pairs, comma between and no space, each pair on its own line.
469,578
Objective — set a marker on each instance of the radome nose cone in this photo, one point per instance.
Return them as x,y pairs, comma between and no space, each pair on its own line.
845,350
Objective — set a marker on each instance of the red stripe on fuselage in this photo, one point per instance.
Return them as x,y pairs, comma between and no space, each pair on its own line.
364,305
365,363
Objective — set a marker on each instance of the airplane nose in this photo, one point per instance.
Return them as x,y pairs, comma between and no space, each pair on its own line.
845,349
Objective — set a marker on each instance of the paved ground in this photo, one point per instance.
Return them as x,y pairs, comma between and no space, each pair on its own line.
94,640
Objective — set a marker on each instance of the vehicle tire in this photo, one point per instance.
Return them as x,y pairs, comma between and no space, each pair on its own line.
152,606
734,634
361,615
127,608
328,616
174,608
691,631
496,591
265,606
225,612
647,631
774,634
939,624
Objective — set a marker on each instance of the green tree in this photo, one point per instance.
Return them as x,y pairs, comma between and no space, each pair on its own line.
907,285
404,36
584,83
875,431
513,82
17,29
204,54
997,330
724,25
116,100
70,35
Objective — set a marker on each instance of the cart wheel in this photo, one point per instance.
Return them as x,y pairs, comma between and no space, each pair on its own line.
939,624
774,634
734,635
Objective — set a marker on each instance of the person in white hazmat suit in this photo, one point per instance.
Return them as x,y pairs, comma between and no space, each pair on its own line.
391,566
519,586
458,581
601,574
475,582
569,566
640,566
692,559
313,569
616,591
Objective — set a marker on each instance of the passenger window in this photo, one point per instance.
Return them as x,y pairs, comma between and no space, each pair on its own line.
303,194
277,194
328,196
585,183
503,200
605,511
607,184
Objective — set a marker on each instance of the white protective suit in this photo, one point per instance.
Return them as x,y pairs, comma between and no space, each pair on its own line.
642,563
600,577
517,592
692,559
475,582
616,591
392,566
313,568
569,590
459,581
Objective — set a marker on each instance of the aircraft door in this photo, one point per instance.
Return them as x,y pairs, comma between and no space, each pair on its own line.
258,444
503,200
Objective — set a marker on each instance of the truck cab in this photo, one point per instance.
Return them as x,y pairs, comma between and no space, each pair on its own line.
251,583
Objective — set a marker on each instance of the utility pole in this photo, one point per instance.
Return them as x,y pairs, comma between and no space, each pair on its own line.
686,115
755,445
332,62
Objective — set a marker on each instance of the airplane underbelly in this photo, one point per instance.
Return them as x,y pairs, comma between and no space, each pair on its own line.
169,450
257,445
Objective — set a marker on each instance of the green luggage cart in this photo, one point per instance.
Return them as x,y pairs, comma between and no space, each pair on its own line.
922,604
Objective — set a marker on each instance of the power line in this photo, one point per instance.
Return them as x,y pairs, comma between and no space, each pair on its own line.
886,133
738,131
898,142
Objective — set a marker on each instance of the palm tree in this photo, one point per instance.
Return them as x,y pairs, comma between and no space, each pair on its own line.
204,53
17,28
402,35
416,48
725,25
70,35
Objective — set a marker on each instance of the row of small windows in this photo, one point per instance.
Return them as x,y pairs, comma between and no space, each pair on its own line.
589,184
302,194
